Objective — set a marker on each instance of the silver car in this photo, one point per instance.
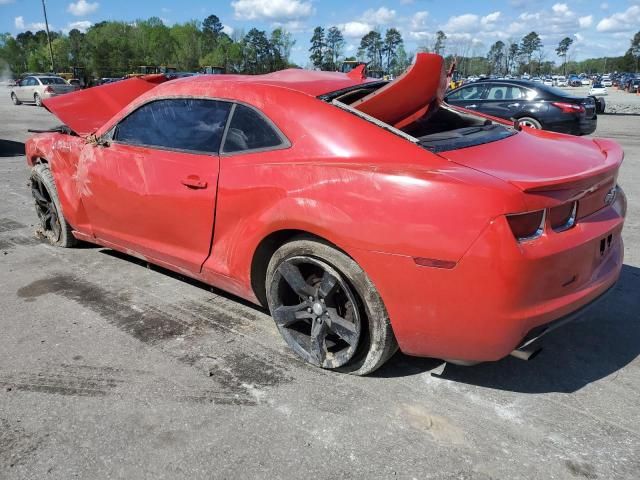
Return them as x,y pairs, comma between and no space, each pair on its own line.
36,88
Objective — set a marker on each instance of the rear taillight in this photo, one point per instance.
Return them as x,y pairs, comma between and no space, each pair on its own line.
527,226
48,89
563,217
569,107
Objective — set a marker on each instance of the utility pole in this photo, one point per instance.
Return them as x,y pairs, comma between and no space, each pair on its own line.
46,24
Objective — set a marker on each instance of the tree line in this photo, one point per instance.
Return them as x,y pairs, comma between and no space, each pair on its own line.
529,56
385,54
112,48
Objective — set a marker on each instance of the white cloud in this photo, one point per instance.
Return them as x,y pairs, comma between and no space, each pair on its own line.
354,29
561,8
585,22
272,10
19,22
5,2
461,23
81,25
621,22
82,8
227,29
491,18
419,20
382,16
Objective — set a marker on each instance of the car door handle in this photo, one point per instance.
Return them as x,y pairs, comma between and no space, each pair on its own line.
193,181
511,105
472,106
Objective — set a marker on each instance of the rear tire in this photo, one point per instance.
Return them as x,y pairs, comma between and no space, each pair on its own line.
327,309
37,99
14,99
530,122
53,226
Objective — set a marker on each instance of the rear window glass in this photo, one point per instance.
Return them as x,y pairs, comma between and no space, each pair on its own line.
181,124
52,81
248,130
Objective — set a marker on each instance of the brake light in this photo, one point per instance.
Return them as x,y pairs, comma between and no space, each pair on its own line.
527,226
563,217
48,89
569,107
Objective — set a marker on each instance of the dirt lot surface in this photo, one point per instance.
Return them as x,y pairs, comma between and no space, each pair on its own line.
110,369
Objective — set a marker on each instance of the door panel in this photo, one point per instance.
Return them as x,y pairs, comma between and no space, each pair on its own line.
158,203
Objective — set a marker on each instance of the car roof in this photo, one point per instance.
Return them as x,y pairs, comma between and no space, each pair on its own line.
310,82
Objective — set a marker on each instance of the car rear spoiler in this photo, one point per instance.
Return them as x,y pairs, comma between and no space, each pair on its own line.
85,111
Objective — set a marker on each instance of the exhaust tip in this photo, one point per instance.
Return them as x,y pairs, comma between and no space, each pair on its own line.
526,353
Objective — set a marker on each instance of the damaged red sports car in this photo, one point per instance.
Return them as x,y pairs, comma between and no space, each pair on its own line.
366,215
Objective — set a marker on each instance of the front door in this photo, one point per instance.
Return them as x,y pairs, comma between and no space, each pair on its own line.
152,189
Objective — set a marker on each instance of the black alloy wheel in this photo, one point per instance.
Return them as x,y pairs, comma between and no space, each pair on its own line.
316,311
46,210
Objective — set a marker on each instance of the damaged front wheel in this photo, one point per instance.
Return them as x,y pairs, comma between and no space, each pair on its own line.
53,226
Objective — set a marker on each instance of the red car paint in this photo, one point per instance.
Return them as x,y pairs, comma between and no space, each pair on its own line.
390,204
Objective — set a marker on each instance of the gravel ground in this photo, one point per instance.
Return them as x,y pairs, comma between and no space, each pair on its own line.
617,101
111,369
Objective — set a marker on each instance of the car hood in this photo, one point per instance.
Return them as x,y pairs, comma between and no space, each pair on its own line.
535,160
410,96
85,111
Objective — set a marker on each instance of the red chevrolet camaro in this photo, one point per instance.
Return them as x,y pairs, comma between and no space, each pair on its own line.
367,215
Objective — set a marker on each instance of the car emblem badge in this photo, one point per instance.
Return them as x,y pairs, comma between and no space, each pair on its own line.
610,196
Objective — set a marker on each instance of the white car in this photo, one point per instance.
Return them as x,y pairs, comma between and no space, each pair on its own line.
548,82
562,82
598,90
36,88
585,82
606,81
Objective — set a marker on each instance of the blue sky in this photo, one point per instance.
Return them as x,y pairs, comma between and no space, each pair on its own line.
598,27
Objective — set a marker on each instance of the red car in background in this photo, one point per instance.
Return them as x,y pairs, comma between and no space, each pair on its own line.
364,214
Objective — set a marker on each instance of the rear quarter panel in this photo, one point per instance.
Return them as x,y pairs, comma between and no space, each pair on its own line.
351,183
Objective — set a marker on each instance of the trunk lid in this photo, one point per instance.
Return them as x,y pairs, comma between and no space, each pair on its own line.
60,89
536,161
410,96
85,111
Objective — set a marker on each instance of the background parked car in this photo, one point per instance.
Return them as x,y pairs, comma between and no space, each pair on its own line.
632,85
534,104
36,88
598,90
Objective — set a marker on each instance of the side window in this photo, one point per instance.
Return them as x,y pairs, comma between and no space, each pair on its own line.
181,123
472,92
497,92
248,130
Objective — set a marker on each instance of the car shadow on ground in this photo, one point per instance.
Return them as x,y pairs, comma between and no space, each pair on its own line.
620,114
573,356
9,148
178,276
606,340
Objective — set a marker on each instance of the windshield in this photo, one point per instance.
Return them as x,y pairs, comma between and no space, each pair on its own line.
52,81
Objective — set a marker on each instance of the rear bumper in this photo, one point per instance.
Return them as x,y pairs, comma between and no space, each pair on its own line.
575,126
500,291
